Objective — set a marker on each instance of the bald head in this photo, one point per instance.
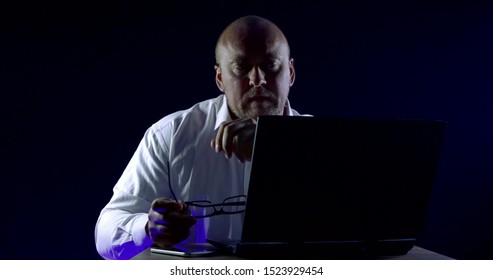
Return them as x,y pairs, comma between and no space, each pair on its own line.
254,68
251,32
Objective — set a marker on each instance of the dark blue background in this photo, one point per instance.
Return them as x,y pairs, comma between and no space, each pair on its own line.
82,80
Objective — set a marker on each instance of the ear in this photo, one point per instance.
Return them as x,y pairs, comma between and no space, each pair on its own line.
292,74
219,78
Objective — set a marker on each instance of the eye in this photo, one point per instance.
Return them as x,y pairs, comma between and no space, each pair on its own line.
270,65
241,67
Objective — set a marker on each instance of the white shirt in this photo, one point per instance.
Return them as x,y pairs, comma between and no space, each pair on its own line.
176,152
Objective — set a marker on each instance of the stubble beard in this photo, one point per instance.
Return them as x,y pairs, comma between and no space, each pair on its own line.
269,104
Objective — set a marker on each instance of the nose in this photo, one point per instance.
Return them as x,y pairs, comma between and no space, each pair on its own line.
257,77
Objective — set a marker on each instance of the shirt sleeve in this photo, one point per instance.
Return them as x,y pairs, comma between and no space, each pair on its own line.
120,229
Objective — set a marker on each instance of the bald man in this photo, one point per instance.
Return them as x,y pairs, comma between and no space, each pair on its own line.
200,157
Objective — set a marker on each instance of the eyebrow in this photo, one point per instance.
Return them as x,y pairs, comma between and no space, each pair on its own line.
271,55
241,58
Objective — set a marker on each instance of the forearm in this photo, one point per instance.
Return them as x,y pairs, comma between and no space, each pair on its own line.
120,230
120,234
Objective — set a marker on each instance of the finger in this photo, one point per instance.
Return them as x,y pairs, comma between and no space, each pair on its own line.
232,130
218,143
227,140
165,211
179,218
219,135
168,230
243,145
171,218
171,237
162,205
175,230
236,146
157,229
235,137
213,144
168,234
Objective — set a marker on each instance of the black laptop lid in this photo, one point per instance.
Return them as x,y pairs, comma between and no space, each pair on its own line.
329,179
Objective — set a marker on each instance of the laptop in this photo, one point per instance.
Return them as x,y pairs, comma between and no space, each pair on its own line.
337,188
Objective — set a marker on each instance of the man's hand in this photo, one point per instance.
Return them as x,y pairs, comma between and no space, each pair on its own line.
235,137
169,223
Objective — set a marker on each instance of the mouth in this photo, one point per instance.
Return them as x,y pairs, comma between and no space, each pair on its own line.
261,98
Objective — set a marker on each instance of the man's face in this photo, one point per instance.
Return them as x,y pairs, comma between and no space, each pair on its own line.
255,73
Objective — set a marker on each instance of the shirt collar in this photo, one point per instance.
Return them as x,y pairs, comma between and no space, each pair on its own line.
223,113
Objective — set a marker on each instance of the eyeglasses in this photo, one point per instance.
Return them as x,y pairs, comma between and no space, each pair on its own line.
205,208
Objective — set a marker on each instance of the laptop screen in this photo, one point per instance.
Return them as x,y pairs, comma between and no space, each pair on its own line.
319,179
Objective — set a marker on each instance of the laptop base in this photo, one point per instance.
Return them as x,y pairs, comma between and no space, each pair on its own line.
315,250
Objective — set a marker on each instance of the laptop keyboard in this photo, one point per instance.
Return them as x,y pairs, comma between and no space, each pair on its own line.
222,243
